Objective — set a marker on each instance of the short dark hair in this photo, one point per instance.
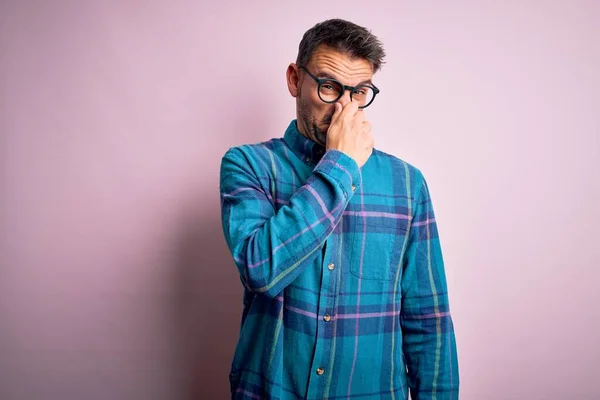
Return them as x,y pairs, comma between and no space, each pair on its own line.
343,36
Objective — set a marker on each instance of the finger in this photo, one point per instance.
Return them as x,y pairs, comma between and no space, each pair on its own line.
350,109
359,117
336,112
366,126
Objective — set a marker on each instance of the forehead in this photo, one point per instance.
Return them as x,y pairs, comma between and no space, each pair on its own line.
328,61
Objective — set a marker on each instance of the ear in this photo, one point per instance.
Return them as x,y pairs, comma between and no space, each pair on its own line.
293,79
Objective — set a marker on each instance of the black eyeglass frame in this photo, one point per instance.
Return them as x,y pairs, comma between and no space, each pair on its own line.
321,81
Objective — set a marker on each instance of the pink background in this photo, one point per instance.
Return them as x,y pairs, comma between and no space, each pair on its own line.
115,281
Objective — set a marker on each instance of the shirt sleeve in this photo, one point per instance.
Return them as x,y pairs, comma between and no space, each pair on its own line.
271,246
429,344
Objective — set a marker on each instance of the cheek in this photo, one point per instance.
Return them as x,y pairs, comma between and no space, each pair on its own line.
311,98
326,111
314,106
319,112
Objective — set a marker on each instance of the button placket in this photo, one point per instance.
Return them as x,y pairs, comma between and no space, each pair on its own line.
323,320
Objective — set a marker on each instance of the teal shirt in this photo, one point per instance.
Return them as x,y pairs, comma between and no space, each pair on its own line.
345,293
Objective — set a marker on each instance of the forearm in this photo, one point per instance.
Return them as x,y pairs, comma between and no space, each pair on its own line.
271,250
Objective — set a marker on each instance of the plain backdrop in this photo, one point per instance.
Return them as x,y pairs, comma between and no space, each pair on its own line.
115,280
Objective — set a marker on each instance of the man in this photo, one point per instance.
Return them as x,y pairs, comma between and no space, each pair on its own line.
336,244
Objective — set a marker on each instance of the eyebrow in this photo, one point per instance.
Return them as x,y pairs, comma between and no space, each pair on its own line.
329,76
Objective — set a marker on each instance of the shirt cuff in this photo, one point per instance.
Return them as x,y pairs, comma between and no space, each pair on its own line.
342,168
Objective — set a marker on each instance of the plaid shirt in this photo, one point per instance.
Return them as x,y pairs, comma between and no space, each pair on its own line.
345,293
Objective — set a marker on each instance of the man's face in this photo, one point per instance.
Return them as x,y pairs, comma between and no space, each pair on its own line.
314,115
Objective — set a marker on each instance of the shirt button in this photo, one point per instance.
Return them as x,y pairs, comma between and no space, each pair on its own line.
331,266
320,371
326,317
307,159
353,188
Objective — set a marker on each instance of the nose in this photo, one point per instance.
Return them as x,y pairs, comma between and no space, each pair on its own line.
345,99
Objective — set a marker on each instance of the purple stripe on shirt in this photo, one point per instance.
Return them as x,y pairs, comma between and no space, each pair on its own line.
322,204
368,315
254,265
422,223
295,309
236,191
376,214
356,316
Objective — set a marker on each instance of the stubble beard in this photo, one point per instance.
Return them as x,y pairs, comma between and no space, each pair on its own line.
308,120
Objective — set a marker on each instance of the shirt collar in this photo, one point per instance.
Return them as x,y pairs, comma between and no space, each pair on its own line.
307,150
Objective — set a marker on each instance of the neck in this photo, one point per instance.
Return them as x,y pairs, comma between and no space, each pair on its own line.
307,132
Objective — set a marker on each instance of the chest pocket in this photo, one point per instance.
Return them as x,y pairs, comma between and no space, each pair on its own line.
376,249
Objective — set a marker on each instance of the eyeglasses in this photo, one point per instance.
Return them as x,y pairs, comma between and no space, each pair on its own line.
330,91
